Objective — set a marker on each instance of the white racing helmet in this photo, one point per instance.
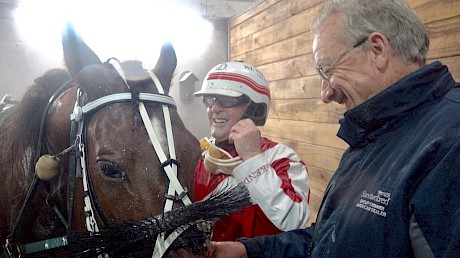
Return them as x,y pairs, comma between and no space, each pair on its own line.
235,79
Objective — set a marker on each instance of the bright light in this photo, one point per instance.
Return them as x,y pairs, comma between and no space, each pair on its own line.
132,29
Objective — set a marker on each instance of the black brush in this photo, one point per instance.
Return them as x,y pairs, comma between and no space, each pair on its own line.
202,215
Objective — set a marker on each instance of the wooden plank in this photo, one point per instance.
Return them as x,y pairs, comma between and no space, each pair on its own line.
270,12
320,157
322,134
272,15
295,67
313,216
319,178
258,8
444,36
291,47
298,7
292,88
315,202
295,7
297,24
324,158
289,68
435,10
258,40
311,110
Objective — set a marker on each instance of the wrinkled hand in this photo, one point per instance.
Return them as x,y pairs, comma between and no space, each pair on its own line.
246,137
226,250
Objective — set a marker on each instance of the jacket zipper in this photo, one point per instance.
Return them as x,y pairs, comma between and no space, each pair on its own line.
319,218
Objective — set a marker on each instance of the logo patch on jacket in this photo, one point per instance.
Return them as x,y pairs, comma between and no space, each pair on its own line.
375,203
256,174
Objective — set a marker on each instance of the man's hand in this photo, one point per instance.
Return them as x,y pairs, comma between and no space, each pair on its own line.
246,137
226,250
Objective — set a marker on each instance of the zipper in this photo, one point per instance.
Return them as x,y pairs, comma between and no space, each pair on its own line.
319,218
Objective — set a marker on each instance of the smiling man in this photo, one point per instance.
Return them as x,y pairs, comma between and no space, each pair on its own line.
237,98
396,192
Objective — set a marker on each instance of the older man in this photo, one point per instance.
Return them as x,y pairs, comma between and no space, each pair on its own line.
396,192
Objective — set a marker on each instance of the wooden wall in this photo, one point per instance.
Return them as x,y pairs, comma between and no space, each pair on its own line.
275,36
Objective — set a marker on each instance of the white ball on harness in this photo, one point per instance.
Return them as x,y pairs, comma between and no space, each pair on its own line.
47,167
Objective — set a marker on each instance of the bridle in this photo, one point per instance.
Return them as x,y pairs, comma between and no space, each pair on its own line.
78,165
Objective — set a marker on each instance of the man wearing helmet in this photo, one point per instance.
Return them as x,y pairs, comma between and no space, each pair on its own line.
237,98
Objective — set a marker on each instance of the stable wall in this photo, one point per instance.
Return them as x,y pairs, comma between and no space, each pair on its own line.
275,37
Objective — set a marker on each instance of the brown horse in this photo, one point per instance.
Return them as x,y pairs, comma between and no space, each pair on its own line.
93,120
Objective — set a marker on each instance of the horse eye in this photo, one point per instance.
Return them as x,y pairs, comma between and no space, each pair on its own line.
112,170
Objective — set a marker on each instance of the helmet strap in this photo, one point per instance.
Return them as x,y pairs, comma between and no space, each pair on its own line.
257,112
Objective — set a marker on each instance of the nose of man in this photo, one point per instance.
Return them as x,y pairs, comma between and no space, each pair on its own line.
327,92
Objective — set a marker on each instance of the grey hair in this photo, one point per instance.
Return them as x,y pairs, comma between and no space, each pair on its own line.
393,18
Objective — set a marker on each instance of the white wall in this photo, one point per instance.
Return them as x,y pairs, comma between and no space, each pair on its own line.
194,114
22,61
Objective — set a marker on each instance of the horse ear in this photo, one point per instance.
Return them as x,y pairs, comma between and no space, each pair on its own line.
77,55
166,65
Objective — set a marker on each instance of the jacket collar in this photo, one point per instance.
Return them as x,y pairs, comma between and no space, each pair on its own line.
385,111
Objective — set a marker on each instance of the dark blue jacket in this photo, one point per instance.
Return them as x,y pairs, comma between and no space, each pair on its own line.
396,192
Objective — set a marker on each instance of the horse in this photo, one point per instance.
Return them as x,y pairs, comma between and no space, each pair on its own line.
90,146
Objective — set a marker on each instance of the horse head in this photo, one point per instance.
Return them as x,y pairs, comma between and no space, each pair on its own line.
115,142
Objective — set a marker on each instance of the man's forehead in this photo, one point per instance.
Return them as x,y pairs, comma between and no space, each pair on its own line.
324,47
327,40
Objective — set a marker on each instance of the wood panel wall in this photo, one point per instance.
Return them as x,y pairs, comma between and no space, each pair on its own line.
275,37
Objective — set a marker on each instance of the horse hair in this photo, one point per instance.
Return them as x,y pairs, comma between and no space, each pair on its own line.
21,125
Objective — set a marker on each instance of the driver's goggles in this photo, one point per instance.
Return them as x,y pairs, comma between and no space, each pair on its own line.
224,101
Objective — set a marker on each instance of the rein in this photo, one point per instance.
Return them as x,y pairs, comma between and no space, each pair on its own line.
78,166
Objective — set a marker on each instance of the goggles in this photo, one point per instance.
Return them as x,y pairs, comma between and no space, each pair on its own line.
224,101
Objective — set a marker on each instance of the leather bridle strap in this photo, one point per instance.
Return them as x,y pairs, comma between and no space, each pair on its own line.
163,244
121,97
175,185
171,168
12,235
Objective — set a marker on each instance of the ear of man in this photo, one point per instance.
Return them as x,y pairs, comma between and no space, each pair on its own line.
380,49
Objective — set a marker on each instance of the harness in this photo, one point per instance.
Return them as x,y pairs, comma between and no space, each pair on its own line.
78,165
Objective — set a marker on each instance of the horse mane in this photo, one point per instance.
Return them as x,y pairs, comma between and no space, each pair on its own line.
19,130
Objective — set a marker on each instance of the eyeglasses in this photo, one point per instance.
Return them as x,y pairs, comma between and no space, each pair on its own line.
224,101
326,72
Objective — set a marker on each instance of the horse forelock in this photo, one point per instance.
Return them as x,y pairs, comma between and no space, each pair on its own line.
97,81
100,80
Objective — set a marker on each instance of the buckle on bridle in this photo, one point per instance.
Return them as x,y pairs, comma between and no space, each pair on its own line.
169,162
12,249
175,197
